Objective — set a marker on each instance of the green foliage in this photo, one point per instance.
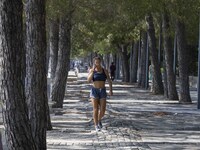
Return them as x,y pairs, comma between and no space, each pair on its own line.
98,25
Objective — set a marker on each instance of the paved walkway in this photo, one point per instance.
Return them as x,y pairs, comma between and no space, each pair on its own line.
135,120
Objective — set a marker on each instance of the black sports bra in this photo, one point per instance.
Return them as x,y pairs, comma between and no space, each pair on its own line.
99,76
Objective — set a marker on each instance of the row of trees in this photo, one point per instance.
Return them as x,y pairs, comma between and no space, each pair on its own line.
23,74
33,33
133,28
39,39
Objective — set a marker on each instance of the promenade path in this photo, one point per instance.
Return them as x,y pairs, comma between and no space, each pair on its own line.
135,120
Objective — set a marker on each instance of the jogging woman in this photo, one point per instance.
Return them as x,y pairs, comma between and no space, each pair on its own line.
98,94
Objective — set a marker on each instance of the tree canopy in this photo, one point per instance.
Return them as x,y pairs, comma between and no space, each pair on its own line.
99,25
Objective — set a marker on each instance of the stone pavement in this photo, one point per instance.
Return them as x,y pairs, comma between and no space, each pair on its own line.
135,120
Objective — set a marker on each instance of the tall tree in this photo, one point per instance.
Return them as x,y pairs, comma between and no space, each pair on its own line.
135,62
54,46
171,78
118,64
157,85
36,81
15,111
123,51
165,77
59,85
142,78
185,25
183,62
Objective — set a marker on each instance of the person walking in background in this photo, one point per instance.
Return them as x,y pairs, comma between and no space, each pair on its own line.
98,94
112,71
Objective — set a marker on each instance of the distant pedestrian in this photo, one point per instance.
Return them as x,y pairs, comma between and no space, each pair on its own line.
98,94
76,69
112,71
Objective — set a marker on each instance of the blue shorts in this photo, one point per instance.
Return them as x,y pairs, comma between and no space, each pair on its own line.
98,93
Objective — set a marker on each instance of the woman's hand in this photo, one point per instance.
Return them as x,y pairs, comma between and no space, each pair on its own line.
92,69
90,75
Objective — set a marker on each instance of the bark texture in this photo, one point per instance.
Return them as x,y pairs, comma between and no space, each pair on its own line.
157,85
125,58
171,78
133,62
183,59
54,41
142,78
165,78
15,111
36,80
59,84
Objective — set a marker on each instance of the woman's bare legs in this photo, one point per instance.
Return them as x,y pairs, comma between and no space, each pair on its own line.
95,104
102,109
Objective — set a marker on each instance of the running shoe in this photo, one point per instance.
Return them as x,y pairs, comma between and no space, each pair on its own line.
100,125
97,128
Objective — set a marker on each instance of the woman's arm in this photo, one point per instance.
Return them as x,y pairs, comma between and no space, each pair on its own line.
109,82
90,75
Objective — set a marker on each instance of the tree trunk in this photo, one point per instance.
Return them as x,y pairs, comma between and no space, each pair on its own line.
59,85
36,81
124,55
117,62
49,125
23,63
135,62
54,41
107,61
142,78
157,85
15,110
183,63
123,70
53,46
131,62
48,55
52,57
171,78
139,60
165,77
